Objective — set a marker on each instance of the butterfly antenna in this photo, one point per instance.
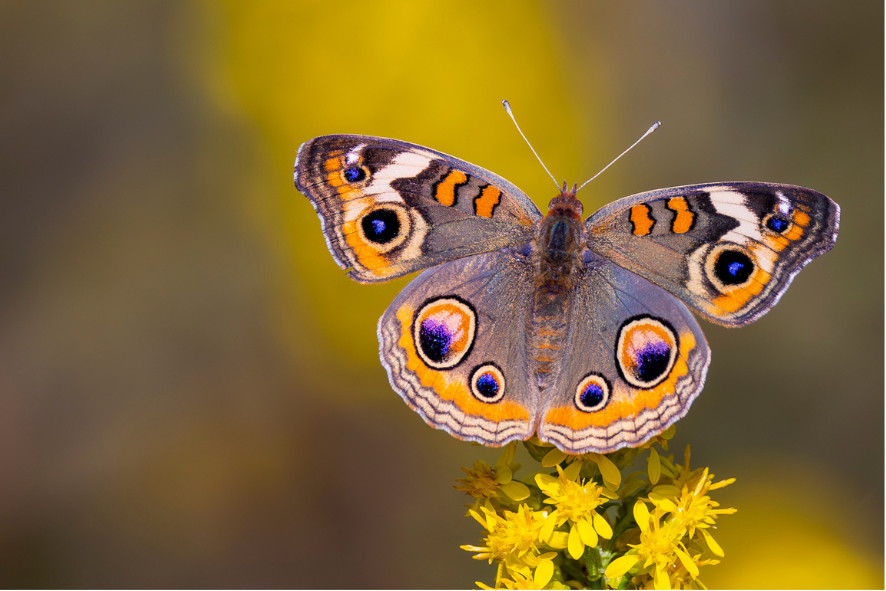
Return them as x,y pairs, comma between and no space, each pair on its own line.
655,126
507,107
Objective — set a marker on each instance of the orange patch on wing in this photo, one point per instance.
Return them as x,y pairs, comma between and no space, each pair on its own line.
366,254
795,233
738,298
801,218
447,389
779,243
334,167
621,407
683,217
641,221
445,192
485,204
333,162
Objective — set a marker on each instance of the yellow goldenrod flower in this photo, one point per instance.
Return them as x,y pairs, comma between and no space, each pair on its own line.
487,482
576,501
608,526
512,537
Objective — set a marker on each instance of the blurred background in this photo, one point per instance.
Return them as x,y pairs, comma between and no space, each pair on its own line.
190,394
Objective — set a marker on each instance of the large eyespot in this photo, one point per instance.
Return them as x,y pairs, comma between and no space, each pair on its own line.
355,174
444,330
488,383
776,223
729,266
646,351
386,226
592,393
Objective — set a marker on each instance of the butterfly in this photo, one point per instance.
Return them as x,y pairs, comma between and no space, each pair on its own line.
523,323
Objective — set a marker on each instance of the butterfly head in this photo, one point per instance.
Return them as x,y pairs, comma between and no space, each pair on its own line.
566,203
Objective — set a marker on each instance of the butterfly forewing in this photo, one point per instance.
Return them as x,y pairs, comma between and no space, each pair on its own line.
389,208
729,250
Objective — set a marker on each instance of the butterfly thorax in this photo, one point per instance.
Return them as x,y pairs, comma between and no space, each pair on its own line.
557,254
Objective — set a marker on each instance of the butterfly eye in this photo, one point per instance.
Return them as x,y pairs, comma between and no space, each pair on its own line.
646,351
592,393
488,383
444,330
355,174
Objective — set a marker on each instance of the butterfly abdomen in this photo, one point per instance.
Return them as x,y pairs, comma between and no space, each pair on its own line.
558,261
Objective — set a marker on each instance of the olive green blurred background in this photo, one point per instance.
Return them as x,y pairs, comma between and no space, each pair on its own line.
190,393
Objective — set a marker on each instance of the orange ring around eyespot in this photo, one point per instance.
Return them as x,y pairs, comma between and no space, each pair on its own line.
622,407
602,383
446,385
450,316
497,375
637,334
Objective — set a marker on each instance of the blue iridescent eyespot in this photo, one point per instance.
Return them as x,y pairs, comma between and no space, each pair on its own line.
488,383
354,174
733,267
777,224
444,330
646,351
381,225
593,393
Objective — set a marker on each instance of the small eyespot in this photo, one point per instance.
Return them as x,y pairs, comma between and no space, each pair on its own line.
592,393
443,332
646,351
776,224
488,383
355,174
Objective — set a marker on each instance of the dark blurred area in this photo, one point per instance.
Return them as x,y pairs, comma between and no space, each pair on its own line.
190,394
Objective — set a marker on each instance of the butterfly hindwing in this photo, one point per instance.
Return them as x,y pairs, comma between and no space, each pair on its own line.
630,366
454,346
729,250
389,207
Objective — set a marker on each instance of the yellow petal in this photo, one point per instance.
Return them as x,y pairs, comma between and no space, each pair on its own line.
546,482
543,573
547,528
609,471
654,466
575,546
602,526
515,490
572,471
587,533
666,490
621,565
507,454
552,458
722,483
559,540
691,567
641,515
662,501
712,543
503,474
661,580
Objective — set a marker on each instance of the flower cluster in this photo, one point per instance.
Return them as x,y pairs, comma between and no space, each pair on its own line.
595,521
